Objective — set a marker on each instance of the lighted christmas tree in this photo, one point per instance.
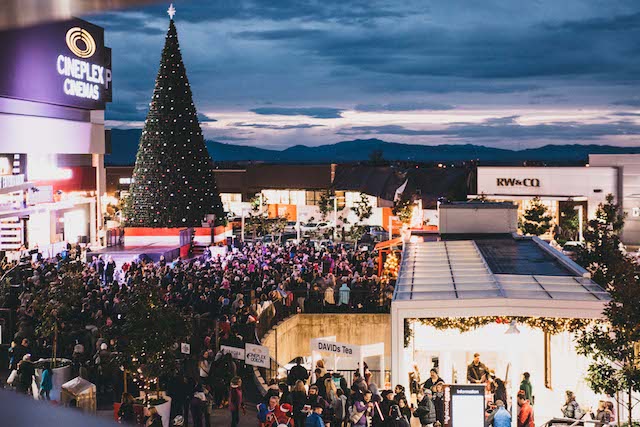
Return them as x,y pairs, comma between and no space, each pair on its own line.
536,219
173,182
391,265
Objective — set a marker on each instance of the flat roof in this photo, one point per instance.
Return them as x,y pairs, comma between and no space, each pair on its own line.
506,268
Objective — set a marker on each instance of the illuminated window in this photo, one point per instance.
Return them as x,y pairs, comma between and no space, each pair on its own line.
126,181
284,197
231,197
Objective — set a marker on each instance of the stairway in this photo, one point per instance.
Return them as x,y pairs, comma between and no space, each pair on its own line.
10,234
198,250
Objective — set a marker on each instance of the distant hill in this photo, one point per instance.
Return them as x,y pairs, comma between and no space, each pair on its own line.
124,145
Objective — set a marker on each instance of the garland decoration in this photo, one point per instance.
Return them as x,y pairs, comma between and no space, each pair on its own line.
550,325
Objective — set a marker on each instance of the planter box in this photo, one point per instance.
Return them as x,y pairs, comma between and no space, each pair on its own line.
164,410
60,376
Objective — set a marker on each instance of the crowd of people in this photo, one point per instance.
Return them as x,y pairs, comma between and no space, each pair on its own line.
325,399
228,294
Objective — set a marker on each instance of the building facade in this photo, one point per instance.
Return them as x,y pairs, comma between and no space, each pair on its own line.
582,187
54,85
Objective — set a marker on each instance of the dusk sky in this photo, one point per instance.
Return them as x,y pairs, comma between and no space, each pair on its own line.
502,73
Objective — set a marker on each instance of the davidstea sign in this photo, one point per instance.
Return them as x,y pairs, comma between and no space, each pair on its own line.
64,63
336,348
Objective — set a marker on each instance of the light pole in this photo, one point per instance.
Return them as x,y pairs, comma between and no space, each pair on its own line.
580,210
335,218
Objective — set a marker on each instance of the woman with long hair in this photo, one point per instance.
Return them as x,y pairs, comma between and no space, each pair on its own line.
298,400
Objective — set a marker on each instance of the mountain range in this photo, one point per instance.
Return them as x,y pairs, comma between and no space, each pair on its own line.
124,145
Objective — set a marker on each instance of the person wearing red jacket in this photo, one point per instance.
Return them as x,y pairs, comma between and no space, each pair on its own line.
525,416
272,414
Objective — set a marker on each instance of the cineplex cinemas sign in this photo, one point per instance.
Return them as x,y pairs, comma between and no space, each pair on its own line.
514,182
63,63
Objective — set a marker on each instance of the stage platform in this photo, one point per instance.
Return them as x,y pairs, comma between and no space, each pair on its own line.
122,254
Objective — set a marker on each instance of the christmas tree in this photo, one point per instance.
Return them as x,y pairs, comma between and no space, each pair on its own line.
173,183
536,220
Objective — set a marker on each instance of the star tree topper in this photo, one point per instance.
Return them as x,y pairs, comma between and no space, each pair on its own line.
171,11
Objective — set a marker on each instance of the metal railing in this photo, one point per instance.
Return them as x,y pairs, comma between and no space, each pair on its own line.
572,422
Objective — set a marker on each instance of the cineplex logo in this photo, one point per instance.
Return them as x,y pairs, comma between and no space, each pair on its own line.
83,78
513,182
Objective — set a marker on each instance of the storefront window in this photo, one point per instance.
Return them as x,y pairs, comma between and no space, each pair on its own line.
284,197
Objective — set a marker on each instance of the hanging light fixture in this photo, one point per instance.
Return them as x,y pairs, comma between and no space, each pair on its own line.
513,328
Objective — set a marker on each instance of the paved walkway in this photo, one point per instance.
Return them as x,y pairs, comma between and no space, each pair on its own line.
222,417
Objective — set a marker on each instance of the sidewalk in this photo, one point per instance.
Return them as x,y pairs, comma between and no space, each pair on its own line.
220,418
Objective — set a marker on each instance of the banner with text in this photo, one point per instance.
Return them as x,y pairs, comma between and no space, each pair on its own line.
236,353
256,355
327,346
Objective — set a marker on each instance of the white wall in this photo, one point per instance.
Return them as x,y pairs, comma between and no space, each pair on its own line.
517,353
26,134
554,183
477,220
629,165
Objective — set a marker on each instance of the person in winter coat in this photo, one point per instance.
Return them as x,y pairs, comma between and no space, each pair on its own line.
525,416
298,400
571,408
298,372
315,417
396,419
236,402
26,374
46,383
500,417
126,414
362,409
426,411
501,391
345,293
438,402
526,386
405,410
153,419
271,414
340,409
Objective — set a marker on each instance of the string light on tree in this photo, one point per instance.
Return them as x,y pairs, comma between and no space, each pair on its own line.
173,168
391,265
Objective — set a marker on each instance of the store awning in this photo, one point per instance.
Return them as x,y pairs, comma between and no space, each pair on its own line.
387,244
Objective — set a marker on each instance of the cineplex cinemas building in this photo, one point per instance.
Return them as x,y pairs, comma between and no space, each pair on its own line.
55,80
582,188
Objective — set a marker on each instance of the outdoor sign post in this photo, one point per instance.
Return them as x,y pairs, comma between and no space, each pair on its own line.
464,405
235,352
257,355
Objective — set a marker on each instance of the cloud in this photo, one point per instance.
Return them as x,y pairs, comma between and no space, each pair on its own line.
313,112
626,114
203,118
506,128
126,112
404,106
229,138
634,102
276,127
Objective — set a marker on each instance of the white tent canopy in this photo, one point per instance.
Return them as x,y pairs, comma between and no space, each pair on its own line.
511,276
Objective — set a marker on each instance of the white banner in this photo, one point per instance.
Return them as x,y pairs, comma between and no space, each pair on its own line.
257,355
236,353
328,346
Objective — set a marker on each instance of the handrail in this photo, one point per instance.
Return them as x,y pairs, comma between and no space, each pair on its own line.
572,422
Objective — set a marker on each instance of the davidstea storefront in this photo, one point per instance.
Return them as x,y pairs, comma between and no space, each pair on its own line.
55,80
